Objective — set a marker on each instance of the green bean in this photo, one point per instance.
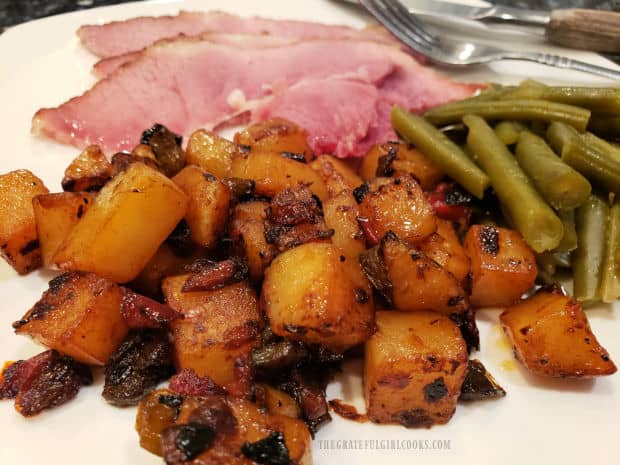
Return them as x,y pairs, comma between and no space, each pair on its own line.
559,184
569,239
521,110
605,125
508,131
600,144
600,100
558,134
524,207
441,150
599,167
587,259
610,273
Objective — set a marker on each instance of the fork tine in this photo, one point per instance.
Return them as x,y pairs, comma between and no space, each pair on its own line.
396,26
399,11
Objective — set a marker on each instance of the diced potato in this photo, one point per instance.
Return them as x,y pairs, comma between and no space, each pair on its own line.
446,249
207,210
336,174
340,213
275,135
503,266
80,316
419,283
219,330
273,173
131,217
314,294
88,172
56,215
398,205
212,153
414,367
247,228
19,244
551,336
276,401
401,159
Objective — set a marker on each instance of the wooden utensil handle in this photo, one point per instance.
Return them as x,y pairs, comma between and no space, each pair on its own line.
595,30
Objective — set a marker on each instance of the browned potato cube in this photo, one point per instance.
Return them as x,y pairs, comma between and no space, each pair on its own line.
419,283
503,266
337,175
414,367
551,336
19,244
212,153
80,316
247,228
131,217
399,159
207,210
88,172
273,173
446,249
276,401
340,213
398,205
219,330
56,215
275,135
314,294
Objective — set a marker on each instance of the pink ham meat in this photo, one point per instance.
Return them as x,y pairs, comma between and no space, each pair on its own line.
120,37
106,66
190,84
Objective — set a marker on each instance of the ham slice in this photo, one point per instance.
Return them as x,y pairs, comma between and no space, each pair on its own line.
120,37
106,66
191,83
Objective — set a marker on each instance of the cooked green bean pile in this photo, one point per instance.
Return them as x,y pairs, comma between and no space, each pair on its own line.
551,156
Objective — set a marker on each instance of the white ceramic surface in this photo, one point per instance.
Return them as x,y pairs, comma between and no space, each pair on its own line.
540,422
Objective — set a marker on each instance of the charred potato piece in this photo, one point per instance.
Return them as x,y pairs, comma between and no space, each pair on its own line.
212,153
88,172
273,173
219,330
275,135
414,367
56,215
276,401
247,229
19,243
80,316
314,294
207,210
340,213
336,174
398,205
396,159
131,217
419,283
503,266
446,249
551,336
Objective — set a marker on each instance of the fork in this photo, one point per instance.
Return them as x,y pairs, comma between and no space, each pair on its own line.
445,51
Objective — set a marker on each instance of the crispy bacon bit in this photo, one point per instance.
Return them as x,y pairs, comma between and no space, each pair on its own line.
450,202
215,412
346,411
215,275
308,389
188,383
43,381
295,217
138,365
141,312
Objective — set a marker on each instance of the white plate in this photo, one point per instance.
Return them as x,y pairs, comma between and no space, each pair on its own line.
540,422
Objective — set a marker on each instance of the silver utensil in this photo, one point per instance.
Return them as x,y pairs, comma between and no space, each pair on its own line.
446,51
